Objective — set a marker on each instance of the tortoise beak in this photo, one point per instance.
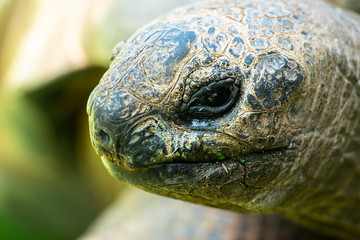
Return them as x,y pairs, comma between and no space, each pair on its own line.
122,131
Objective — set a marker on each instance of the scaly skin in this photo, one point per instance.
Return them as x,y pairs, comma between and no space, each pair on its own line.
284,135
160,218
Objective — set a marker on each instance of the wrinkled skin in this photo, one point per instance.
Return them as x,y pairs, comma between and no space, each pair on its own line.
252,106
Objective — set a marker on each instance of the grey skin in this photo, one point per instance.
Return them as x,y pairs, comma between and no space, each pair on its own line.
252,106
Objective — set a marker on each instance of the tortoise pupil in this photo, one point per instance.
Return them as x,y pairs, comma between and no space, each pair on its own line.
215,98
104,137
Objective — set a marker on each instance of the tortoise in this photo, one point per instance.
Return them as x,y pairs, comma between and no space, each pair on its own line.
251,106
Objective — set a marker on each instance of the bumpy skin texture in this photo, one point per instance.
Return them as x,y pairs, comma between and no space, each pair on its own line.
284,135
139,215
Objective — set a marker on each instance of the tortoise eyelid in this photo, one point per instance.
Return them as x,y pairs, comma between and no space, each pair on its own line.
200,111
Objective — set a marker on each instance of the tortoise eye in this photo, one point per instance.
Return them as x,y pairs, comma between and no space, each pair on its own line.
212,100
215,98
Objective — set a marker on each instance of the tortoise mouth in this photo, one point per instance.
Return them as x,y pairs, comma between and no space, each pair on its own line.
122,161
179,171
231,182
221,158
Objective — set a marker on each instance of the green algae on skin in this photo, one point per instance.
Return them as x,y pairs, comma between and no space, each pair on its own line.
220,156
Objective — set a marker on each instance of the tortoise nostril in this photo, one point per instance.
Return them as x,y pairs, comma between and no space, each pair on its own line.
104,137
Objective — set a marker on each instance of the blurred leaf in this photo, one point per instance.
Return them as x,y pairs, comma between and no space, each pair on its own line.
42,187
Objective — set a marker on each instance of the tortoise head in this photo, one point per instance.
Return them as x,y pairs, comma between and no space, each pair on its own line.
204,106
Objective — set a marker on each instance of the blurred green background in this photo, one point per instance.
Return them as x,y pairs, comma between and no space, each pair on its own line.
52,54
